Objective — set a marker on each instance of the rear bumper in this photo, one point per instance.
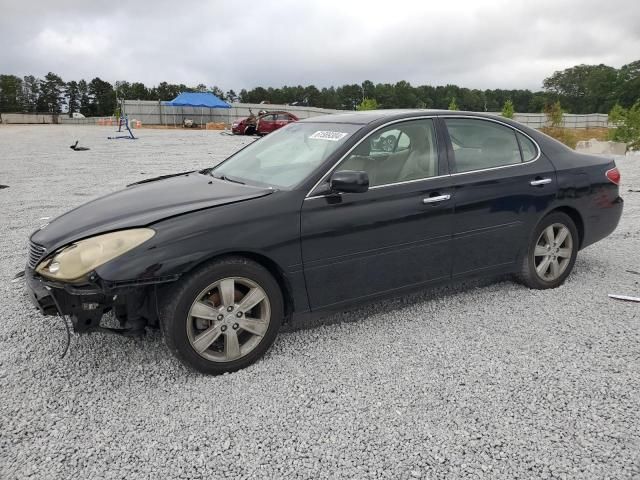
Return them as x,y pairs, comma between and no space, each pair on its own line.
604,223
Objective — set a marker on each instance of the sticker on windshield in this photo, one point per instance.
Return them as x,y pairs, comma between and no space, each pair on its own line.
331,136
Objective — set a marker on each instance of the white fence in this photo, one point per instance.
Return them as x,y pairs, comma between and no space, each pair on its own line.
157,113
53,118
88,120
569,120
28,118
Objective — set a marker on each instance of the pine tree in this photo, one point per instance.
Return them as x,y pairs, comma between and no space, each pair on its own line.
51,94
72,94
507,109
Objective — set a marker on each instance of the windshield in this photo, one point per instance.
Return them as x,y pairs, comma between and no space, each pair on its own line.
287,156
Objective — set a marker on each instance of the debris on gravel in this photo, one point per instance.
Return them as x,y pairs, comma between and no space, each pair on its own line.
486,379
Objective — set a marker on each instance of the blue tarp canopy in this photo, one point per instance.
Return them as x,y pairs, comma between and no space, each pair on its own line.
196,99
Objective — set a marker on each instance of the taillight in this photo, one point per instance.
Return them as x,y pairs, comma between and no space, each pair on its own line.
613,175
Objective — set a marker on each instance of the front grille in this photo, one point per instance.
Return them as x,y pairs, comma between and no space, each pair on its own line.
36,253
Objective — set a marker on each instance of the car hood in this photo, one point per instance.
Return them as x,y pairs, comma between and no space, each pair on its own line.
142,204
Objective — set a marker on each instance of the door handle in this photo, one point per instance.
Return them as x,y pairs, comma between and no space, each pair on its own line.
538,182
439,198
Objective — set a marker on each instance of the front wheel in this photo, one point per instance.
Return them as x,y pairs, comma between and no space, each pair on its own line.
551,254
224,316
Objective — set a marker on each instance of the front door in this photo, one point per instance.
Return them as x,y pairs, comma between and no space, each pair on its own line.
397,234
267,124
281,120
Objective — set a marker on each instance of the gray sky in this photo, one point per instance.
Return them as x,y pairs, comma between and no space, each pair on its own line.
476,44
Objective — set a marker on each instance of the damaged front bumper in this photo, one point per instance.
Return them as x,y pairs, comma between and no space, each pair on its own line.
134,303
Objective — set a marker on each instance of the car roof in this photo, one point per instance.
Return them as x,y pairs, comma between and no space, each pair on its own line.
378,117
370,116
270,112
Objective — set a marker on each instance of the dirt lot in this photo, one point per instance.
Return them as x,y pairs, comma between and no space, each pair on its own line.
480,380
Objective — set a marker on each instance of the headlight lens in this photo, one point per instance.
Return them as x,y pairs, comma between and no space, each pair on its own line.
73,262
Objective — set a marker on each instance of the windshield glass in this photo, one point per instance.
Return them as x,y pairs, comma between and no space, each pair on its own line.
287,156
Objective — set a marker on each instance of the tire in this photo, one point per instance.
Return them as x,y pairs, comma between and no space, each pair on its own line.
203,293
534,272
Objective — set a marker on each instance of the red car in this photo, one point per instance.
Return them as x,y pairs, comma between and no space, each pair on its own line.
262,124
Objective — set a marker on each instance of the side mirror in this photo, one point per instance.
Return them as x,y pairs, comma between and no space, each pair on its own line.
349,181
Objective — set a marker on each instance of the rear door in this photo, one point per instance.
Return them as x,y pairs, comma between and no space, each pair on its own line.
501,185
281,120
267,124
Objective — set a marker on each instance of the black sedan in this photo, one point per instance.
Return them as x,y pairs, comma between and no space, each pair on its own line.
315,218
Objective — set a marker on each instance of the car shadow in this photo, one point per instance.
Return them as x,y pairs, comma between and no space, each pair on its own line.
145,349
387,305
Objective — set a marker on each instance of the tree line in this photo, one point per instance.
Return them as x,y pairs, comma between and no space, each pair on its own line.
580,89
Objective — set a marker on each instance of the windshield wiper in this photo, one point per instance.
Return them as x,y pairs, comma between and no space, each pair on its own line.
227,178
161,177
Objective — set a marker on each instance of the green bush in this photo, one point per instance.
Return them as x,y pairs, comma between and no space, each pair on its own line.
627,125
452,104
368,104
507,109
554,114
617,114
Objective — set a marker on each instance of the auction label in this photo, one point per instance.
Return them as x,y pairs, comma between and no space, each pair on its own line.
331,136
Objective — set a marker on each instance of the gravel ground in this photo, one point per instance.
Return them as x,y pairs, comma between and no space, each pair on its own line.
479,380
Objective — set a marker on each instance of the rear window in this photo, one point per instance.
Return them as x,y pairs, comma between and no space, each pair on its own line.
529,150
481,144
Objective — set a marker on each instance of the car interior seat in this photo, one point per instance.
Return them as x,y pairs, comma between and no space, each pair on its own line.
497,151
388,169
421,162
417,161
359,160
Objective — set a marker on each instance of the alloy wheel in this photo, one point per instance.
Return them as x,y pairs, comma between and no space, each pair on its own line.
228,319
553,251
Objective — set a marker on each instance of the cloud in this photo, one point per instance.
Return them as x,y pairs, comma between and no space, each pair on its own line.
75,44
488,44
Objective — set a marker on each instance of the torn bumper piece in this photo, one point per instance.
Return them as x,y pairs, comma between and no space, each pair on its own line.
86,304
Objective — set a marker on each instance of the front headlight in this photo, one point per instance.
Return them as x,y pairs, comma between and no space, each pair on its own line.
72,262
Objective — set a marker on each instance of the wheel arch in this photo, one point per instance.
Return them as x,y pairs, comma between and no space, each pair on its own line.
574,215
272,267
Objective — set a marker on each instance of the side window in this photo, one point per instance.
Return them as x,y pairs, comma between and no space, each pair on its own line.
401,152
480,144
529,150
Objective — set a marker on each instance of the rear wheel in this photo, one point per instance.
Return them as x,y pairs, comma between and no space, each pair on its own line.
224,316
552,252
